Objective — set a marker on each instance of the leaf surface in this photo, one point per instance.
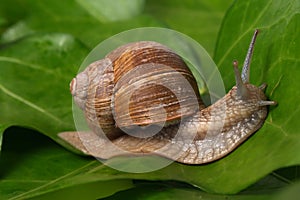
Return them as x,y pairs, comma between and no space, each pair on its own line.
35,75
103,9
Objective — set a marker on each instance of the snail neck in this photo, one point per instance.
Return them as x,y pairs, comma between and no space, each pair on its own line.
231,115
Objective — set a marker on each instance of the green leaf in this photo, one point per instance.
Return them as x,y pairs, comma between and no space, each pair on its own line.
106,10
173,190
41,169
69,17
292,192
34,82
32,165
2,129
276,62
197,19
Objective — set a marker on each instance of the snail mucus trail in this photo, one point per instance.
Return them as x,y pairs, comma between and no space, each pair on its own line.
191,136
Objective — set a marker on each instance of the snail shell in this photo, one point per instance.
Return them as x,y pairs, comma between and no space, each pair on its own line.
144,84
140,71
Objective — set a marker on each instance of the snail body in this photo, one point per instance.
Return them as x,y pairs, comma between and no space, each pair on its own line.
143,98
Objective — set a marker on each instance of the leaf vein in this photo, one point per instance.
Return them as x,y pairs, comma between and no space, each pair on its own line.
278,127
54,181
28,103
242,35
21,62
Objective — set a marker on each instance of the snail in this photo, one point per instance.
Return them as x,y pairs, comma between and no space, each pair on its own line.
143,99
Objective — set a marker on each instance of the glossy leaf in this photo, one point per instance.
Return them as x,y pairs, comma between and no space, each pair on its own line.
70,17
199,20
67,16
148,191
103,9
275,62
40,169
34,81
32,165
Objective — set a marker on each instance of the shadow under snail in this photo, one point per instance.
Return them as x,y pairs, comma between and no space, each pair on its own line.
135,89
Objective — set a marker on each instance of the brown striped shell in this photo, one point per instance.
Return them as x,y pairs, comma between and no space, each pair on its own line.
146,76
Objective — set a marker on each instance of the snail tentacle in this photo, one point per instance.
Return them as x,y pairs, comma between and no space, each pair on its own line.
241,88
246,66
263,86
267,103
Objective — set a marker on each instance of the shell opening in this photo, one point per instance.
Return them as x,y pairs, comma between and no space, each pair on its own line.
73,87
78,89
